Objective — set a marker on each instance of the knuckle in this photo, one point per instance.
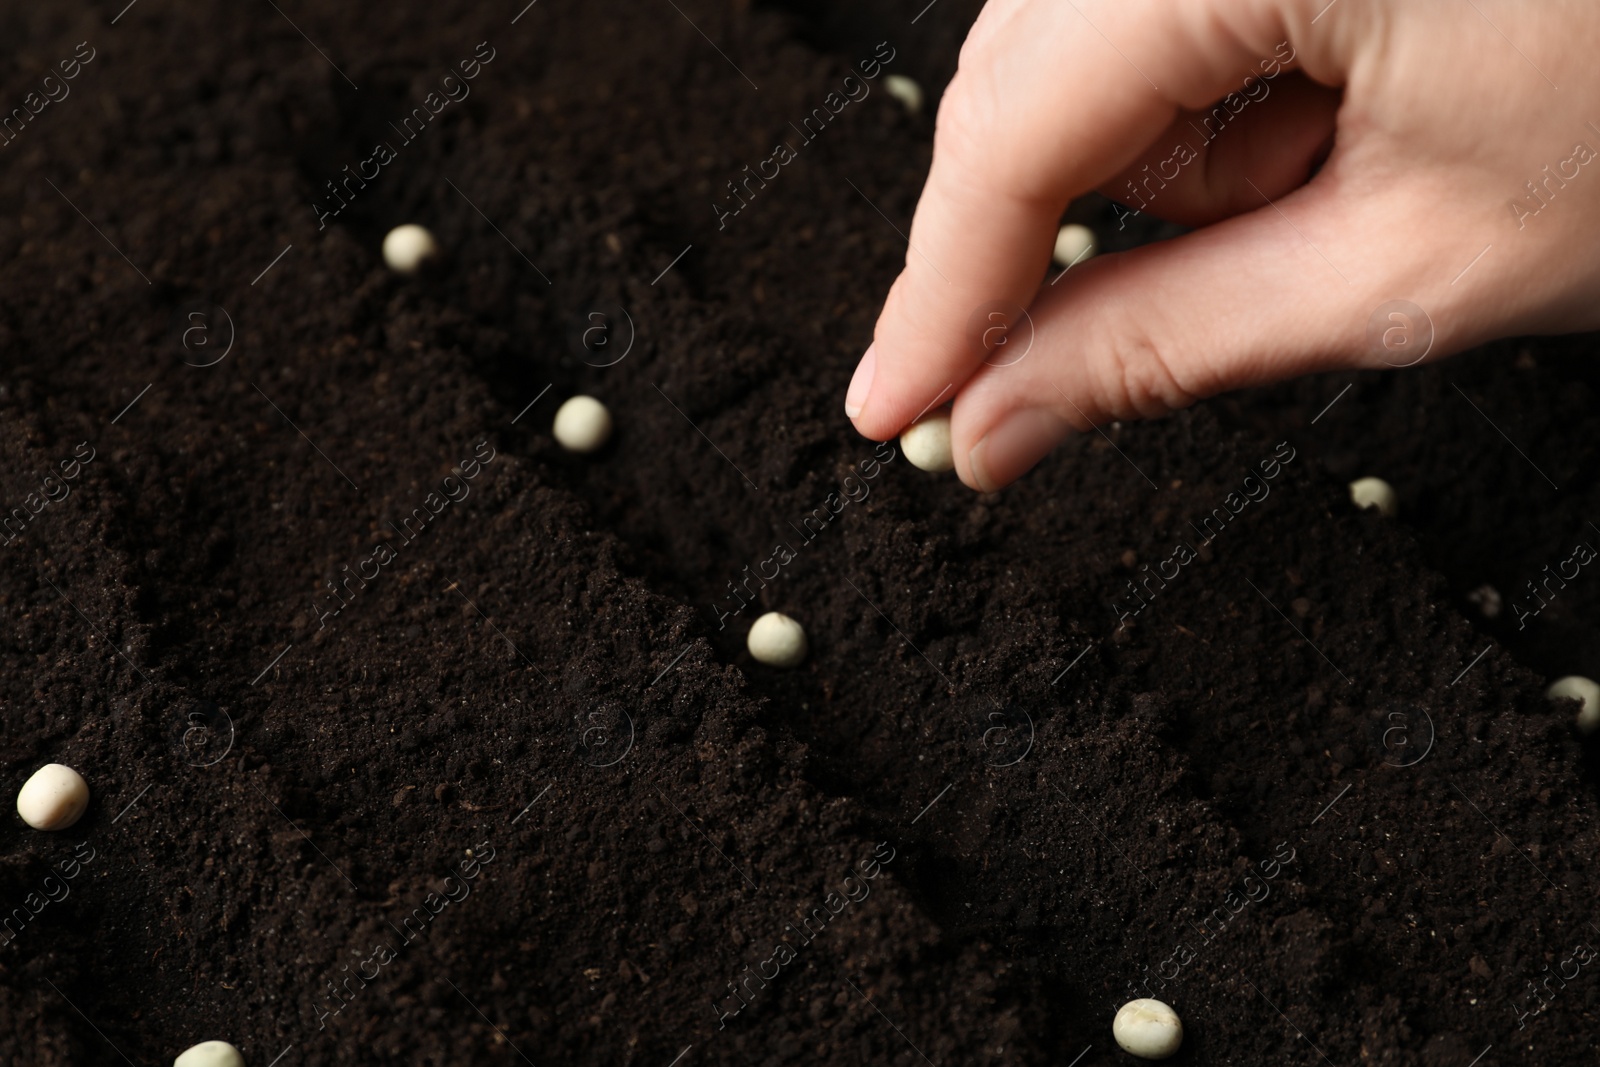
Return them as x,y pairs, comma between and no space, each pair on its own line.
986,145
966,124
1143,377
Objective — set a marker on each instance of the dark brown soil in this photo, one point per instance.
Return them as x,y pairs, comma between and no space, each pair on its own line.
516,793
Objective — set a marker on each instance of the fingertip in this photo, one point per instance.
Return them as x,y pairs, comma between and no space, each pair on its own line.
855,398
892,404
1012,447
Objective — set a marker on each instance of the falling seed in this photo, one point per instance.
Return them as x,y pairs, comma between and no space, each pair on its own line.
582,424
408,247
1375,493
926,443
777,640
54,798
1148,1029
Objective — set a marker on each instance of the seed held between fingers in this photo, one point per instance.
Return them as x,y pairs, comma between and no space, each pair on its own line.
926,443
406,248
54,798
777,640
1148,1029
210,1054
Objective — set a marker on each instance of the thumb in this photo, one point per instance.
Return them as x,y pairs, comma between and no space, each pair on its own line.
1292,288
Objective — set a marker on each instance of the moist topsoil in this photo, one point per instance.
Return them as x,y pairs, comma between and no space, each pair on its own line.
415,739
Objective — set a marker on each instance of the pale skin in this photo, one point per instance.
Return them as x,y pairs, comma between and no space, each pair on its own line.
1377,165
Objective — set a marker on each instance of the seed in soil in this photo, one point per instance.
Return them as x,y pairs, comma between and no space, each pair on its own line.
210,1054
1585,692
1148,1029
777,640
905,90
1375,493
54,798
1074,243
926,443
582,424
408,247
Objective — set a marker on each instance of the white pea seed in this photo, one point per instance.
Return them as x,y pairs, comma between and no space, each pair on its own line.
1148,1029
1585,692
1074,244
903,89
210,1054
582,424
926,443
777,640
1375,493
54,798
408,247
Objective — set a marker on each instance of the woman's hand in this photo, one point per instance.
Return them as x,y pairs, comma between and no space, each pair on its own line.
1464,178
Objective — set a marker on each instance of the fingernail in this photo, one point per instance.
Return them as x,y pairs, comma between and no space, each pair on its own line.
855,398
1010,450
